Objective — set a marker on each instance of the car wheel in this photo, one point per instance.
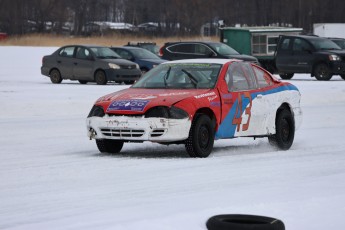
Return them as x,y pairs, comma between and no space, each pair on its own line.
109,146
285,130
342,76
201,137
55,76
128,82
243,222
82,82
100,78
322,72
286,76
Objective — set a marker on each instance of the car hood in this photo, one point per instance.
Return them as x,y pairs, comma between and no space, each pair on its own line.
154,60
243,57
134,101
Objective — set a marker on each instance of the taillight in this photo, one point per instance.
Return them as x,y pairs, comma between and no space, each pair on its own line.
161,51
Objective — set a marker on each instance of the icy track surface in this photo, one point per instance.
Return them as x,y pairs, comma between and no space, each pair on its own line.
53,177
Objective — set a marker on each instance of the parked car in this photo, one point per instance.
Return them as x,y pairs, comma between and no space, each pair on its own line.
318,56
193,102
339,41
144,58
89,64
189,50
150,46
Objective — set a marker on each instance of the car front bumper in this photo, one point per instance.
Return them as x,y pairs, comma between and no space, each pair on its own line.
123,74
138,128
337,67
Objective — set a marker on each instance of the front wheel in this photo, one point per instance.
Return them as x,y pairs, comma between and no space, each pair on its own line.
286,76
100,78
109,146
201,137
322,72
285,130
55,76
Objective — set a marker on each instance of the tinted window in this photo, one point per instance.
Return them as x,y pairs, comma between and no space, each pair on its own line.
181,48
300,45
67,51
124,54
202,49
324,44
285,44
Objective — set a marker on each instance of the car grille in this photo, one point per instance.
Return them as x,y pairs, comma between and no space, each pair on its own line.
122,133
127,66
157,132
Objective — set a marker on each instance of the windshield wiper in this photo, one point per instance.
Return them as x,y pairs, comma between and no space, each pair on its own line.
191,77
166,76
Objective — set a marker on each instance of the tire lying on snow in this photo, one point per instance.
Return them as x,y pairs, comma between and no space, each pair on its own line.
243,222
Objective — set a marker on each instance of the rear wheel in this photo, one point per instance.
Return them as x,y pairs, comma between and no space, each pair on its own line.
100,78
285,130
322,72
82,82
201,137
55,76
109,146
286,76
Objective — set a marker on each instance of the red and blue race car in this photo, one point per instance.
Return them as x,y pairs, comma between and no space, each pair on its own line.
194,102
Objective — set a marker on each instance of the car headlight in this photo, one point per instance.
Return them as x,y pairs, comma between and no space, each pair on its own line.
96,111
114,66
166,112
334,57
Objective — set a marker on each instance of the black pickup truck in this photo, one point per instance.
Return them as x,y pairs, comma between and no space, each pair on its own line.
318,56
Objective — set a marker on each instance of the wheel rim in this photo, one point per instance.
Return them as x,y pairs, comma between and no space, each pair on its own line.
285,133
204,137
322,72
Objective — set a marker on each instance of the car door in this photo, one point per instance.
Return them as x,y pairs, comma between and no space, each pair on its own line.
64,61
243,104
302,57
83,64
283,55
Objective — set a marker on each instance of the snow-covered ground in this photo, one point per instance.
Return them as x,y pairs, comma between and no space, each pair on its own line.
53,177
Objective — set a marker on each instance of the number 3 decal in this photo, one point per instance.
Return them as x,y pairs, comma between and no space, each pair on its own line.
239,111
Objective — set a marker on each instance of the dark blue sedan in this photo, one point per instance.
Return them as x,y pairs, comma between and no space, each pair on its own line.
144,58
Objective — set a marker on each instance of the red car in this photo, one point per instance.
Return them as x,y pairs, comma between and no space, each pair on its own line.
193,102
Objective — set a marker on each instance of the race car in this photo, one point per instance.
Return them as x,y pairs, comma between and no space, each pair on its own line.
195,102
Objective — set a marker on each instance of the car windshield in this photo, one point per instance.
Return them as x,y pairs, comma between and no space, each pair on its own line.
223,49
144,54
180,76
151,47
340,43
104,53
324,44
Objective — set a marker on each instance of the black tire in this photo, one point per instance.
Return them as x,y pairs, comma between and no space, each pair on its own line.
55,76
342,76
129,82
243,222
286,76
82,82
201,137
322,72
285,130
100,78
109,146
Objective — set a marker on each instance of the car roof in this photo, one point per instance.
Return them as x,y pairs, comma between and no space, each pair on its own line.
128,47
192,42
203,60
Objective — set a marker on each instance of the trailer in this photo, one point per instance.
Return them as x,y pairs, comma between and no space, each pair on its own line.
260,42
335,30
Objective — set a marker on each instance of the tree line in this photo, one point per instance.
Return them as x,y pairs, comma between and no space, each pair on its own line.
186,16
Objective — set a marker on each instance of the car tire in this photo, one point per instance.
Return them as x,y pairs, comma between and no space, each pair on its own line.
100,78
55,76
285,130
243,222
342,76
82,82
129,82
109,146
201,137
286,76
322,72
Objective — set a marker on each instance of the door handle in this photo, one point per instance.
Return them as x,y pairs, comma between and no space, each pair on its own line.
259,96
